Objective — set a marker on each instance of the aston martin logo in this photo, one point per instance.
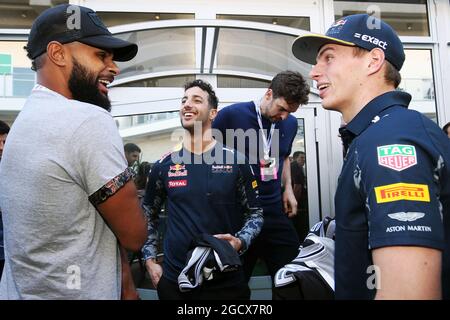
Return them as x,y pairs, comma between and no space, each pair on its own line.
406,216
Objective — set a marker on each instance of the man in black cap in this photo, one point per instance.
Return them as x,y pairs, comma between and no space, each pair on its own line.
393,196
67,197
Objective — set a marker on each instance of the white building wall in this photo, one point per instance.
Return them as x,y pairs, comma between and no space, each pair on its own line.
152,148
441,15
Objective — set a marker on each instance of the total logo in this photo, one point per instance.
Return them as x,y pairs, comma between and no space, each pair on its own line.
177,183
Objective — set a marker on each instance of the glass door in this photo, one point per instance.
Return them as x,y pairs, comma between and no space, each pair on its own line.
304,173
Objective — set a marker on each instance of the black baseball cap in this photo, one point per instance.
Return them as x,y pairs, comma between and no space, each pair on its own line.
67,23
360,30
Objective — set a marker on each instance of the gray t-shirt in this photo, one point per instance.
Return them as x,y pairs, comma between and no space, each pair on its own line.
57,246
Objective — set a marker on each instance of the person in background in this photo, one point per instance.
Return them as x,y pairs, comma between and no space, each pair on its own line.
301,220
69,206
142,177
270,117
393,196
132,153
4,130
446,129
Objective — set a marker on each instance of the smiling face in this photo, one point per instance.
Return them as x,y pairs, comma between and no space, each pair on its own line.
92,71
301,160
195,108
339,75
276,109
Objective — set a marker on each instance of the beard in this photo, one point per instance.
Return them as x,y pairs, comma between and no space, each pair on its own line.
84,87
197,125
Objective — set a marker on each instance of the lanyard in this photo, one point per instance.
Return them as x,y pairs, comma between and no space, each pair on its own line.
266,140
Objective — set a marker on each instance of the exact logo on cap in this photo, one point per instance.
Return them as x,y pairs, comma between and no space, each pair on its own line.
373,40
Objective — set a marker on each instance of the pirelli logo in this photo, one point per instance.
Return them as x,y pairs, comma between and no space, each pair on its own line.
402,191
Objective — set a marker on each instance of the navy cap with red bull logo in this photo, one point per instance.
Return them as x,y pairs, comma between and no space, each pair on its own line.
360,30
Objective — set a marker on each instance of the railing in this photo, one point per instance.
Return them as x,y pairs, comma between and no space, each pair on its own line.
17,84
144,119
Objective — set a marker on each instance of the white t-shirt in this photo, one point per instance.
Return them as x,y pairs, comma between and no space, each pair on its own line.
57,246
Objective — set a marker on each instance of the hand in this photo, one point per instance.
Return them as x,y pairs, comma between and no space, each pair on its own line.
155,271
236,243
289,203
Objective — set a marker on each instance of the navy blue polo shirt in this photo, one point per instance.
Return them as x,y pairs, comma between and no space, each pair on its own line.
243,116
394,190
211,193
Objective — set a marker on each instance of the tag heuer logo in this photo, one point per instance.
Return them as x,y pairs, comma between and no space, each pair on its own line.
397,156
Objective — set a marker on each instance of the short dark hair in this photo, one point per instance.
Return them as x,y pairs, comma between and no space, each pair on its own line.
38,62
445,127
291,86
213,101
131,147
391,74
4,128
296,154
